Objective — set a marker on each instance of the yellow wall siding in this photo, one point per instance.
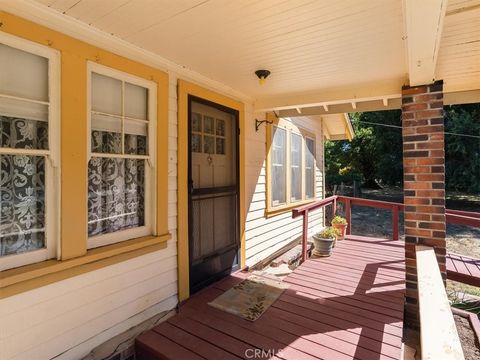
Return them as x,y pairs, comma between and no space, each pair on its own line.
74,57
65,314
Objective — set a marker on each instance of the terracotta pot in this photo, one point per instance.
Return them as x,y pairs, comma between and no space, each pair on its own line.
343,230
323,247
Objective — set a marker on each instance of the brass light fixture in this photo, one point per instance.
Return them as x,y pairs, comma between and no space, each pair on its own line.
262,75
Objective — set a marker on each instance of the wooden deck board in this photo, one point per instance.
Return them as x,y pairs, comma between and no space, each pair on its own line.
463,269
347,306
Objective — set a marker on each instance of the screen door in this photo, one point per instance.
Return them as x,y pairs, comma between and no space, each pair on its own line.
213,193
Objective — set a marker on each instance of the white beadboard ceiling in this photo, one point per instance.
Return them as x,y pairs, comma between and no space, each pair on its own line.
308,45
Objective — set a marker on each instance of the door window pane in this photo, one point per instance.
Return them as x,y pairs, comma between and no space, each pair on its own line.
296,167
278,166
309,168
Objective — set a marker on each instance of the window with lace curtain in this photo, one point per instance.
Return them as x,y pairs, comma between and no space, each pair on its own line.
122,117
28,151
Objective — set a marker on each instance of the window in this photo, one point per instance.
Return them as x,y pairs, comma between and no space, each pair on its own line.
208,136
309,168
291,167
28,152
279,165
120,169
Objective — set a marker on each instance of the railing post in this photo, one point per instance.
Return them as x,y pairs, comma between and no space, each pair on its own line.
348,216
395,223
304,236
334,209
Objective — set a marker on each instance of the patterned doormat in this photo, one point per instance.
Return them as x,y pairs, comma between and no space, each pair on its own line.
250,298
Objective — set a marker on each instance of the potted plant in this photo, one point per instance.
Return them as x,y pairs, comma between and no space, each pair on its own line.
340,224
324,241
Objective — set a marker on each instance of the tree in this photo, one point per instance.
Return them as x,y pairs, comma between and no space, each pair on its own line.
375,155
462,153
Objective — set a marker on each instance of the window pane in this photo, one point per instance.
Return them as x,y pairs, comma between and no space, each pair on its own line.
296,167
23,134
309,168
106,94
23,74
22,195
136,101
136,137
278,166
116,195
106,134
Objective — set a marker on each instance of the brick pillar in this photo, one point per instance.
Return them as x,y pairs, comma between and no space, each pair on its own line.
424,182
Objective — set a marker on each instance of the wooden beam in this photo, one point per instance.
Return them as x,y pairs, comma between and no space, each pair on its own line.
332,96
326,131
438,332
424,24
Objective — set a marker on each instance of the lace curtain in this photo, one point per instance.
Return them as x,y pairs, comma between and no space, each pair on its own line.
116,186
22,186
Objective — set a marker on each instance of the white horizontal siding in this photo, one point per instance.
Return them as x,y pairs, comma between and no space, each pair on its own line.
264,236
70,317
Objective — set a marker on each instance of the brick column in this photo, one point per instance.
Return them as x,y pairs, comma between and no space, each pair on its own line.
424,182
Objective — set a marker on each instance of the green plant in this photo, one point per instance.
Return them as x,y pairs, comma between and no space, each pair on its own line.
329,233
339,220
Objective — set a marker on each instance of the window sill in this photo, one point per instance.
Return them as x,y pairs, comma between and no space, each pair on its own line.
29,277
271,212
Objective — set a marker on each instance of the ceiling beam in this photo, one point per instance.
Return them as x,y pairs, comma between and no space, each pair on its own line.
423,25
332,96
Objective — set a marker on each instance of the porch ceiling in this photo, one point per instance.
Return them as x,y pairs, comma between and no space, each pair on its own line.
321,53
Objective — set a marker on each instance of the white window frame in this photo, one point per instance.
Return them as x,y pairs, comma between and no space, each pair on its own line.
150,160
52,155
290,129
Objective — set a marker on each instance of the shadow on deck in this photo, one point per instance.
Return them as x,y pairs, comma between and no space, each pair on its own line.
347,306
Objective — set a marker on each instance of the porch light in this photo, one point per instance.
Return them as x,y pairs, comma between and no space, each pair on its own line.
262,75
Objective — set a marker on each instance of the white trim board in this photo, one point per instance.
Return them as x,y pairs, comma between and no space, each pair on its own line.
54,20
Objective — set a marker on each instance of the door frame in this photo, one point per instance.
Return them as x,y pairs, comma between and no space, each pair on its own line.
185,91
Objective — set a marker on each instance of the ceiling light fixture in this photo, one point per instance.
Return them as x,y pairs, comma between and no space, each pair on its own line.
262,75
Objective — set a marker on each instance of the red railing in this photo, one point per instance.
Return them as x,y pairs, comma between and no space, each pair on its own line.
452,216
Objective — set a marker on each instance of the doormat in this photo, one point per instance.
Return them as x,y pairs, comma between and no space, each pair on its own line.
250,298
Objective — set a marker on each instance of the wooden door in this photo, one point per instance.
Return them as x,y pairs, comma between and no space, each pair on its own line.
213,205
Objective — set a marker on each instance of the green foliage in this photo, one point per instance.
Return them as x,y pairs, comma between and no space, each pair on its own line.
462,171
339,220
329,233
374,156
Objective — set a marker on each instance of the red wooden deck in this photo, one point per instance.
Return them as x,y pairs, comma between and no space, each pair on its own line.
347,306
463,269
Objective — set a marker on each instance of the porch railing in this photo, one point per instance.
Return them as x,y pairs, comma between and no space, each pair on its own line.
452,216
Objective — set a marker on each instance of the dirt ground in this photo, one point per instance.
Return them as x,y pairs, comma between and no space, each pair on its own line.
470,345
